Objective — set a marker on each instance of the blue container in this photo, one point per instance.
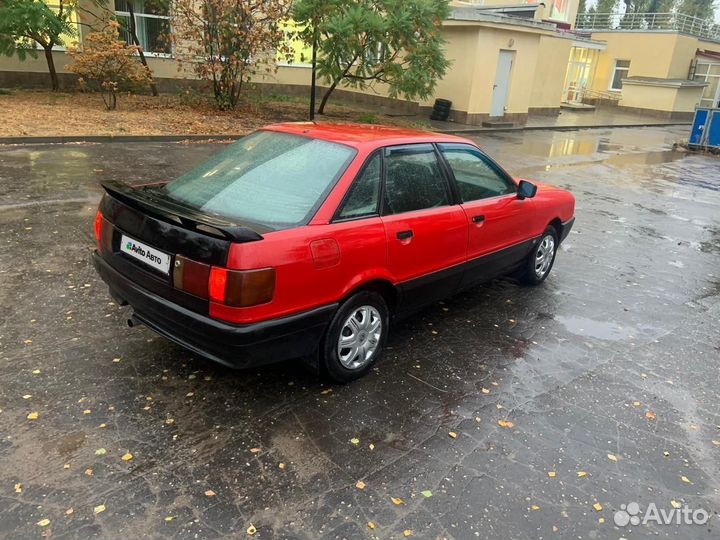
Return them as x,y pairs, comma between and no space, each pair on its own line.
712,132
699,127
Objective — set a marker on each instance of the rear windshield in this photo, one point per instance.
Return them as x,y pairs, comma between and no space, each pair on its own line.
274,179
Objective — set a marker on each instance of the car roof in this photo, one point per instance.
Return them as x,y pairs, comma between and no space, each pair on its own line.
363,135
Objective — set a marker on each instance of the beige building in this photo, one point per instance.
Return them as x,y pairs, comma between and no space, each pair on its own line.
509,60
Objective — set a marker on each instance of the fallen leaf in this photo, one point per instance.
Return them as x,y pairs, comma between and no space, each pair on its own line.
478,419
581,474
666,453
552,474
407,533
88,472
33,416
116,360
371,525
371,446
716,443
169,518
209,493
27,341
685,479
427,493
255,450
601,520
453,434
100,452
675,504
534,507
650,415
598,507
694,427
87,411
170,421
251,529
355,441
326,392
397,501
27,396
612,457
360,484
36,372
127,456
281,465
102,426
190,394
18,488
636,403
485,390
505,423
66,466
99,509
44,522
69,511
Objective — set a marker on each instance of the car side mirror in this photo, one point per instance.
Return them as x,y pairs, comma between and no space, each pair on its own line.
526,190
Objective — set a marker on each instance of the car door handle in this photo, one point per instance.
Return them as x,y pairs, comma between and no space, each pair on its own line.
404,235
478,219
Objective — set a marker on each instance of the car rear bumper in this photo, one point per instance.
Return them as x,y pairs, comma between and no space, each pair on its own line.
566,227
237,346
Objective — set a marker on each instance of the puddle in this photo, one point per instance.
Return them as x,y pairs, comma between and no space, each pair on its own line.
582,326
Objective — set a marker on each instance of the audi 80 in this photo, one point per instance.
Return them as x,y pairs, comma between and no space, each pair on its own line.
305,240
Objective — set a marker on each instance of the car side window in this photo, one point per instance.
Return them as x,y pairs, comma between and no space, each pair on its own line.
413,179
476,177
362,199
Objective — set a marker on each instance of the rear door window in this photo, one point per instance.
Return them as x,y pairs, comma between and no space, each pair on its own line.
413,179
271,178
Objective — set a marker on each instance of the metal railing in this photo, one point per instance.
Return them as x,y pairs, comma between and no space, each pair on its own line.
649,22
579,93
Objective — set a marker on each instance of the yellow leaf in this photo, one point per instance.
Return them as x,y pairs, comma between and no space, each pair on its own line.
102,426
33,416
116,360
360,484
169,518
534,507
552,474
581,474
478,419
371,525
36,372
89,472
485,390
44,522
372,446
685,479
601,520
170,421
636,403
66,466
355,440
505,423
27,396
99,509
716,443
650,415
597,506
127,456
100,452
251,529
675,504
407,533
87,411
255,450
69,511
397,501
612,457
326,392
18,488
209,493
453,434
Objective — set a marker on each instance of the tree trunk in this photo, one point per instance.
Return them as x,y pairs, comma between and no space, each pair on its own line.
136,41
326,96
51,68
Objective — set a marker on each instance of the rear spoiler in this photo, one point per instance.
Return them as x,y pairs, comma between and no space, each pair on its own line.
167,209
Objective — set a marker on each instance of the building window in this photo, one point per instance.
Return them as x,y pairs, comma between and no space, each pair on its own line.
619,73
708,71
152,24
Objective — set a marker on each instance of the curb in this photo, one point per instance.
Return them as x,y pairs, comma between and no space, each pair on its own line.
180,138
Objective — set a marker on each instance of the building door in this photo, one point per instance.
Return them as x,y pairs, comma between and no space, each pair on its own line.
501,88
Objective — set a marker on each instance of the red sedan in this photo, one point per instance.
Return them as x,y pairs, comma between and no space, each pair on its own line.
305,240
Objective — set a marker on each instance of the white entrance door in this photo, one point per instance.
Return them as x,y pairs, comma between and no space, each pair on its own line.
502,83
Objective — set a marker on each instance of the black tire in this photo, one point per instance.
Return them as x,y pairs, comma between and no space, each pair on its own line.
441,101
530,275
441,108
336,369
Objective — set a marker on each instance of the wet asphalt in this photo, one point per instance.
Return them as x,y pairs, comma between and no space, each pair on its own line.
605,378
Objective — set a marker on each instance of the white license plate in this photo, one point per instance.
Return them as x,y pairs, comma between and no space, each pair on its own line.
142,252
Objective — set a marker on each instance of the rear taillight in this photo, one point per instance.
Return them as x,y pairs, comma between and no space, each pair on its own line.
98,226
191,276
241,288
